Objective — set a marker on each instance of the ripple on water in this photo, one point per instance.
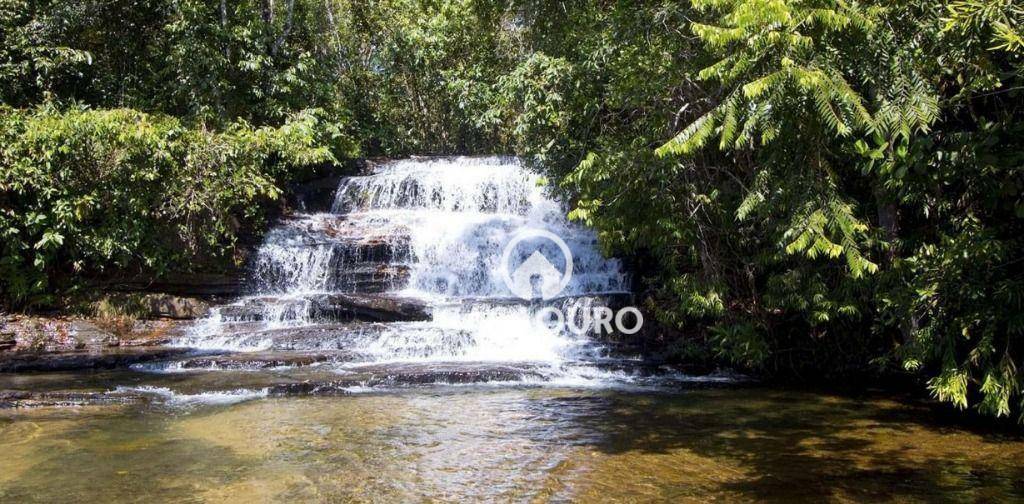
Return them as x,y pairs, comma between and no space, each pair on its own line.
751,444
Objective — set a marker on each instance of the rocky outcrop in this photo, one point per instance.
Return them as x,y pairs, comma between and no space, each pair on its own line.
408,375
60,344
53,334
329,308
175,307
261,360
86,334
48,334
371,308
36,399
107,358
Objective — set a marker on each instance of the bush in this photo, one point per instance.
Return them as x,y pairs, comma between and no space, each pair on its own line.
92,192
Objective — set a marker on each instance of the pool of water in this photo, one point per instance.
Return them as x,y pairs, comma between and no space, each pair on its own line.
481,443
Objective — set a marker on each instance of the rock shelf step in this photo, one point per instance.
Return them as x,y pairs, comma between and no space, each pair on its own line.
106,358
328,307
262,360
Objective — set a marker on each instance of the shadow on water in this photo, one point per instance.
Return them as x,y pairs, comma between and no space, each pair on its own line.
518,444
801,446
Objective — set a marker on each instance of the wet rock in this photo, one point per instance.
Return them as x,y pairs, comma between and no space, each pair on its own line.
381,250
328,307
326,337
152,332
266,308
33,399
248,312
314,388
408,375
371,308
321,337
371,278
175,307
110,358
452,376
261,360
89,335
311,338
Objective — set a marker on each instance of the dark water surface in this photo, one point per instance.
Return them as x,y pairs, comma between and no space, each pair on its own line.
506,444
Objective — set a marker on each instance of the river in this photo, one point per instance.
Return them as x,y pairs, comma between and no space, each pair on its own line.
518,444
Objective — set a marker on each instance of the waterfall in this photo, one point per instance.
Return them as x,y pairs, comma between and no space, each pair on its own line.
426,232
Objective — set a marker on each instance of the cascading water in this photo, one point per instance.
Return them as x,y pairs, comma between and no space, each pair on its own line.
403,275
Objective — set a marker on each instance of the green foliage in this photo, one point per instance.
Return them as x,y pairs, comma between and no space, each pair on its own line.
151,134
88,192
808,184
421,76
532,97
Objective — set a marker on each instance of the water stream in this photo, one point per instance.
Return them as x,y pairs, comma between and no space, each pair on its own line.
430,232
379,356
507,444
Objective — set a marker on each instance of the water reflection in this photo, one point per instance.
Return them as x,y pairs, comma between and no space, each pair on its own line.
518,445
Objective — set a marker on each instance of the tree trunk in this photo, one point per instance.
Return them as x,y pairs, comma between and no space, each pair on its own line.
224,27
287,28
888,221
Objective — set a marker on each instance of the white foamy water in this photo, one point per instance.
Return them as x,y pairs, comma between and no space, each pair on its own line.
495,185
428,229
168,396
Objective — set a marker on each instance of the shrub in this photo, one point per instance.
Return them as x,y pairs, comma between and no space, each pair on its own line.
92,192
